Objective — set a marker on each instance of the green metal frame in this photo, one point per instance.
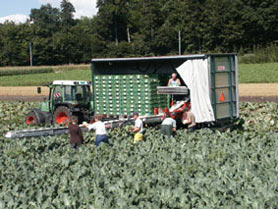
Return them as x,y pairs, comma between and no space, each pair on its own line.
94,86
213,86
234,86
231,85
230,88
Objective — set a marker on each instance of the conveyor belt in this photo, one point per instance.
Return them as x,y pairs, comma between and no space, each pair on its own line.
38,132
60,131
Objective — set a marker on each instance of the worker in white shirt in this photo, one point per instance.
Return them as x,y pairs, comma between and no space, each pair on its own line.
99,127
174,81
168,126
138,128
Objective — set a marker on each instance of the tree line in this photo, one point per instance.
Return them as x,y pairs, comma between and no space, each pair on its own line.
125,28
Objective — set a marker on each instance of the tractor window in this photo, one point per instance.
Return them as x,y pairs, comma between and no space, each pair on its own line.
58,94
68,93
82,93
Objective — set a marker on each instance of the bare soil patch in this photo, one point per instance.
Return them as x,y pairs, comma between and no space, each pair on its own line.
259,99
258,90
22,98
22,91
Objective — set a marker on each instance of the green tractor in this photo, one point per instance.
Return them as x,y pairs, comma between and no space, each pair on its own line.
66,98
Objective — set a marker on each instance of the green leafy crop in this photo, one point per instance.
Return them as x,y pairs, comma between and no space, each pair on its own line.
203,169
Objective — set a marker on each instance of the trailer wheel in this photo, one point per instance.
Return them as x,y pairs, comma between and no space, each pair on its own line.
31,118
62,115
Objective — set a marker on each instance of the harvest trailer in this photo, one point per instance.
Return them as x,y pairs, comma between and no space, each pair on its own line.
122,86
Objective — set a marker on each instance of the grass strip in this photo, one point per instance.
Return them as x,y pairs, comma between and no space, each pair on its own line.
25,71
258,73
44,78
38,68
248,73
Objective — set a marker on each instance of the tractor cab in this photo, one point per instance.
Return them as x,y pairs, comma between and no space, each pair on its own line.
70,93
65,98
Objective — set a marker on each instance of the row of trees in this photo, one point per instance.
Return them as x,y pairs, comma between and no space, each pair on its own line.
138,28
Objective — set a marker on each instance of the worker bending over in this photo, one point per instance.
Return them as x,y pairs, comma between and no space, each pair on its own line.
168,126
138,128
99,127
189,119
174,81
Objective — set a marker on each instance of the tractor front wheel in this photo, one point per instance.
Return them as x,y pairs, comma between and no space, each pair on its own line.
62,115
31,118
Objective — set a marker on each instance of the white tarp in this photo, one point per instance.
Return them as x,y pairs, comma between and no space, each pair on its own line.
195,74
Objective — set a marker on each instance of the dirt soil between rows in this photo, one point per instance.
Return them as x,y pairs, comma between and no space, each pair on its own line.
247,92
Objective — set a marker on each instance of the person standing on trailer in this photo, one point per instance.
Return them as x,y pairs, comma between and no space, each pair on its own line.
76,136
138,128
99,127
168,126
174,81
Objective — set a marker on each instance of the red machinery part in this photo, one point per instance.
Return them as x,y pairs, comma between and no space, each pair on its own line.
178,113
62,118
156,111
30,120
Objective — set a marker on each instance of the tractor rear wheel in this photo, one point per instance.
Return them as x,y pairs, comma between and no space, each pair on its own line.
31,118
62,115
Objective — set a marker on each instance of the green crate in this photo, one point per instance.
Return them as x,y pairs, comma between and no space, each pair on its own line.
130,93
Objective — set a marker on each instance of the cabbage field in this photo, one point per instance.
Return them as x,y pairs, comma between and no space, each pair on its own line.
203,169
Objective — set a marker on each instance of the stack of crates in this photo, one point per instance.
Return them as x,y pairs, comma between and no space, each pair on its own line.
125,94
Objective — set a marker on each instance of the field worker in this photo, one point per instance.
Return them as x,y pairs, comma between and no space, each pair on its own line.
188,118
168,126
138,128
99,127
76,136
174,81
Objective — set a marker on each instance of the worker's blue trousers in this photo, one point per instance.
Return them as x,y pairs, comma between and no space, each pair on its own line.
101,138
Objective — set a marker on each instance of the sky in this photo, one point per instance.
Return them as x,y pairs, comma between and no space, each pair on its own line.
19,10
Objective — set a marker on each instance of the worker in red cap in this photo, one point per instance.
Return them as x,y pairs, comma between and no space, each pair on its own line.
138,128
